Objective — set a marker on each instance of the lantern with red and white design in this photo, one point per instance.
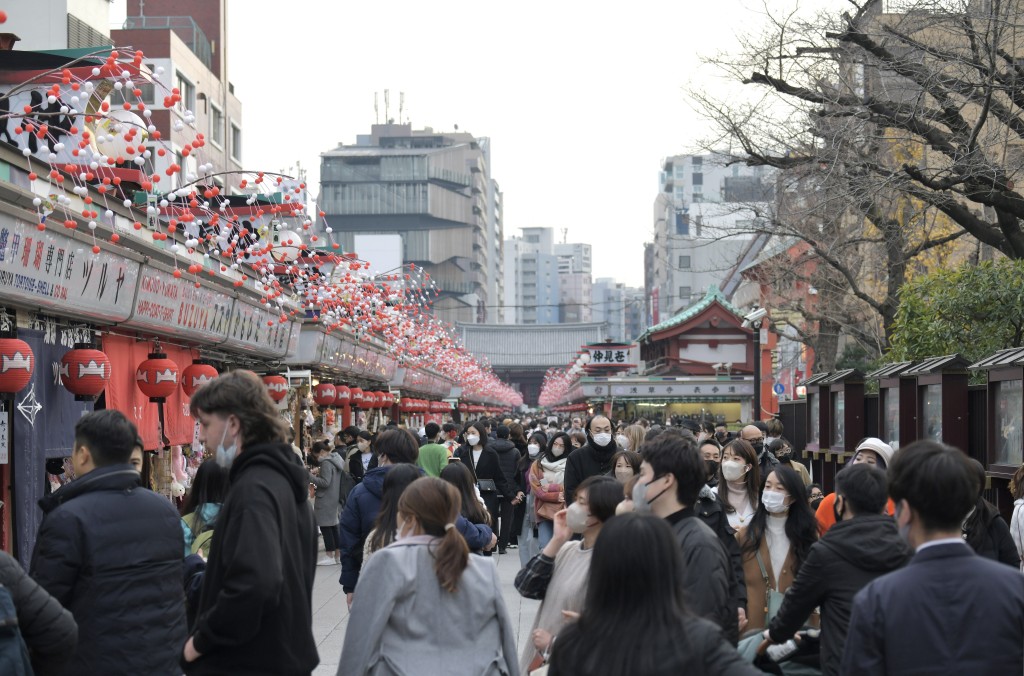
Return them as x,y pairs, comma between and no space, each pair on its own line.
463,408
16,365
196,375
84,372
157,377
357,396
369,399
344,395
325,394
277,386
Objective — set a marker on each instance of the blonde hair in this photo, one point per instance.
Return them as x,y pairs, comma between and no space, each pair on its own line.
635,434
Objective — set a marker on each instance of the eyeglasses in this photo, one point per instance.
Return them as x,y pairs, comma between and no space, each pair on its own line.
815,496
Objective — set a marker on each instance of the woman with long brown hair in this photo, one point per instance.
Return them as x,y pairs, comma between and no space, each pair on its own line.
406,622
739,482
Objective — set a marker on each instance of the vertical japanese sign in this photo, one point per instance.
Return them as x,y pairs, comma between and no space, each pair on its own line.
5,437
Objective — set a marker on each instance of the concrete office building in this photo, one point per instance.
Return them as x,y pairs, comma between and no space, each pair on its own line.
608,303
531,286
58,24
434,189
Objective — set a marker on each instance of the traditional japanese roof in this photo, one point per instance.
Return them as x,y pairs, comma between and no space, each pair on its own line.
949,362
890,370
1013,356
529,346
714,295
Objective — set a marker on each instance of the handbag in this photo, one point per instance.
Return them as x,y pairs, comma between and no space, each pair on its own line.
772,598
487,486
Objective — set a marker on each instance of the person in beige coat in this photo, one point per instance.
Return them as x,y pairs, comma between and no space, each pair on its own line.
775,543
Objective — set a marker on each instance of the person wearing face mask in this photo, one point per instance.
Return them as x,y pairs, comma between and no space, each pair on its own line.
949,611
486,466
547,476
625,466
255,607
671,476
594,457
814,496
558,575
738,481
361,459
863,546
775,543
766,462
784,453
872,451
433,455
385,526
426,606
711,452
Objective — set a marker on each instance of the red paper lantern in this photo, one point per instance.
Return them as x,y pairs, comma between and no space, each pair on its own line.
84,372
277,386
157,377
344,395
16,365
370,399
357,396
463,408
325,394
195,376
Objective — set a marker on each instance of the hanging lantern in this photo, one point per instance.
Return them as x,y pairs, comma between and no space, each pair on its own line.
369,399
195,376
463,408
157,377
344,395
357,396
325,394
84,372
405,406
16,365
277,386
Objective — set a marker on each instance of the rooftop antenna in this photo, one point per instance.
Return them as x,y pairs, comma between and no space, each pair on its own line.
387,105
565,235
376,110
401,107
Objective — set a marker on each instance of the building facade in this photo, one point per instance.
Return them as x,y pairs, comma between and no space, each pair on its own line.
609,307
434,190
531,278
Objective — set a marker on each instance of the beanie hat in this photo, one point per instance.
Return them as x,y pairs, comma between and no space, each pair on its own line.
883,449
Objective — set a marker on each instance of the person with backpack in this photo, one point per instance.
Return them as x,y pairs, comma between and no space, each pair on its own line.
199,513
40,635
327,479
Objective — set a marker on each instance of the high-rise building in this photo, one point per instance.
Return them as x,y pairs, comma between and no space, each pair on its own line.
608,303
704,218
433,189
574,257
635,302
531,278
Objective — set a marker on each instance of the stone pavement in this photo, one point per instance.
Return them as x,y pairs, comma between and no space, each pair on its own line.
330,613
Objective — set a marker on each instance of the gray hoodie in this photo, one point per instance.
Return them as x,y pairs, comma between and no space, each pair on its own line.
328,486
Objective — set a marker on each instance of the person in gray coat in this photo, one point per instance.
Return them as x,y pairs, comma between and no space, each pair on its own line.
327,479
49,631
406,621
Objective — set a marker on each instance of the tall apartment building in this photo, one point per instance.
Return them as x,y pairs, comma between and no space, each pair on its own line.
575,264
435,190
704,219
532,282
59,24
608,303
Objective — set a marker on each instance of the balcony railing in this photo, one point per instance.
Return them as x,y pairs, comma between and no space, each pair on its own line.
186,28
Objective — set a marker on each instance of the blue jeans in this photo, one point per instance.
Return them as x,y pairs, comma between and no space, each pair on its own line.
545,531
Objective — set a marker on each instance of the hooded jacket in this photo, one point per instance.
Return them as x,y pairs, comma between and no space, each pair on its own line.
328,490
508,460
357,522
110,552
255,608
586,461
849,556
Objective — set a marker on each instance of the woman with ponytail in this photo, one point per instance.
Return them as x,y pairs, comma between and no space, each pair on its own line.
405,620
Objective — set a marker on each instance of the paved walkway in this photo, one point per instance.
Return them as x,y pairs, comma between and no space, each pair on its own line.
330,613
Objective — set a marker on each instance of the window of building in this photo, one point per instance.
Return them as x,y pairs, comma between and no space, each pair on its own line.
216,126
682,223
698,178
236,142
533,239
187,91
698,197
698,161
684,294
684,262
147,88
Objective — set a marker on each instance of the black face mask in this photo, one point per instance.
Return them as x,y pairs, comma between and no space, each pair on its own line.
711,467
838,513
815,502
784,456
758,446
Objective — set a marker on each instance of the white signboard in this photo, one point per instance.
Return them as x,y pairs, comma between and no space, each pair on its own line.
176,307
669,389
257,330
610,357
56,272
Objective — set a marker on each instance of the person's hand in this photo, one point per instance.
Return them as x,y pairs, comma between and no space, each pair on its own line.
191,654
570,615
765,643
742,616
562,532
492,543
348,600
541,639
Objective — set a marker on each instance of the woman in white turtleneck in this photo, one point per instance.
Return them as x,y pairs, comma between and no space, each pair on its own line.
738,482
776,541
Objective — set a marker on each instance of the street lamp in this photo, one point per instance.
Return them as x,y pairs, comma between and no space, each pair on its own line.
754,320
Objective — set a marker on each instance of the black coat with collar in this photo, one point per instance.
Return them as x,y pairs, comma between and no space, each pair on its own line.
110,551
489,467
355,464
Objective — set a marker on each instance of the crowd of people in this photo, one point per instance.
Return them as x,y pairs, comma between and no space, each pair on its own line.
653,550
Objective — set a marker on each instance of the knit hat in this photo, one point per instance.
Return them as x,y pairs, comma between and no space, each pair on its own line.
883,449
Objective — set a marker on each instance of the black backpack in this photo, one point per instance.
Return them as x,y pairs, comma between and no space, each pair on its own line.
14,660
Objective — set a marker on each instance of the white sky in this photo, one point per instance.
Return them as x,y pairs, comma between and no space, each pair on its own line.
580,100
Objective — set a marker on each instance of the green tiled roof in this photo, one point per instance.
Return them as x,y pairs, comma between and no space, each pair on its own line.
713,294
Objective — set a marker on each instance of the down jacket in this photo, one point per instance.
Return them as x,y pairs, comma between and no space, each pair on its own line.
109,550
328,490
49,631
708,572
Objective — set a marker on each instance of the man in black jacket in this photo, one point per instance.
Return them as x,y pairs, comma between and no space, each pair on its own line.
508,459
255,608
864,545
110,551
594,457
671,476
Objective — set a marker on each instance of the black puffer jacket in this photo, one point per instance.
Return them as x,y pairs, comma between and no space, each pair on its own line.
849,556
709,509
255,611
508,459
989,535
109,550
586,461
708,573
49,631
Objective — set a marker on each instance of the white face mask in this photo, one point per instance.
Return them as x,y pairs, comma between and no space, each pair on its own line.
226,456
732,470
557,451
623,442
472,440
534,450
623,474
774,502
603,438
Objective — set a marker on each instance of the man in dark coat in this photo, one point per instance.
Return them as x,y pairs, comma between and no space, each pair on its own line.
949,611
110,551
508,460
255,608
594,457
864,545
671,476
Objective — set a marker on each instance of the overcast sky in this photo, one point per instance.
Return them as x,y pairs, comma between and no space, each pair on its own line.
580,100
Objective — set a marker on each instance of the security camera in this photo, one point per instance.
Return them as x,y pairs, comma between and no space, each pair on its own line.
758,314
